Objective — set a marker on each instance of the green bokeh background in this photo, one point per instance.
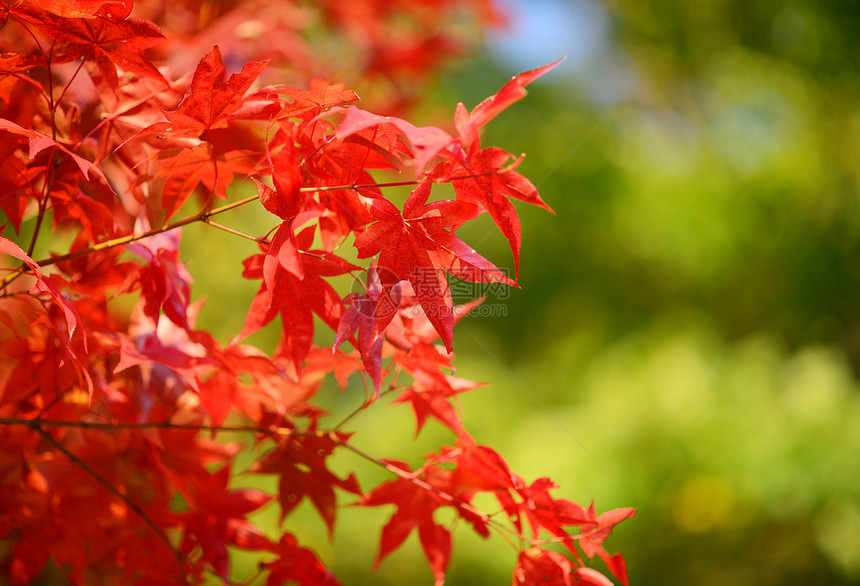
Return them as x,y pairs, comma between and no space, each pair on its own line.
686,339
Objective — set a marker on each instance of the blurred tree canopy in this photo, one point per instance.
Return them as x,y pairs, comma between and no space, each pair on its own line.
760,101
723,180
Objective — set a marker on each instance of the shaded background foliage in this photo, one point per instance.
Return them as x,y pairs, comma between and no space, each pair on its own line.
686,340
696,323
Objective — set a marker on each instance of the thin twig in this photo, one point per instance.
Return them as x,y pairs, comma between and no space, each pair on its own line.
37,425
50,175
202,217
364,405
159,532
107,244
331,435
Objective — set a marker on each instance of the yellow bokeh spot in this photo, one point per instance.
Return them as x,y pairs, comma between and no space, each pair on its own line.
704,503
77,396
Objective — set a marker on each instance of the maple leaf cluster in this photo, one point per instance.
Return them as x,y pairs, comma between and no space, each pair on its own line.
115,409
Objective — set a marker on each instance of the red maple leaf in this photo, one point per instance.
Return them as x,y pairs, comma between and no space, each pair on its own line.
591,577
432,390
368,314
591,539
217,518
45,284
293,286
321,95
212,99
188,167
111,41
469,123
415,509
425,141
87,205
542,566
17,187
286,200
297,565
13,68
485,180
410,326
338,363
479,468
300,463
38,142
96,275
149,353
435,401
543,511
163,281
84,8
419,246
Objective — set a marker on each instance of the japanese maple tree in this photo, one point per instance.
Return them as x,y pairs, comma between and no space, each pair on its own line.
115,119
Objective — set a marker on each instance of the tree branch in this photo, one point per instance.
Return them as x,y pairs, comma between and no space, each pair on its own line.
273,431
203,217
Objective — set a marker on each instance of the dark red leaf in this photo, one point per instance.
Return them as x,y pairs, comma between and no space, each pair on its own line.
300,463
542,566
415,508
110,41
297,565
163,280
368,314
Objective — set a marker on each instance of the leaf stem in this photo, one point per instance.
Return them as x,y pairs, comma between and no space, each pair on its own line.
231,230
67,86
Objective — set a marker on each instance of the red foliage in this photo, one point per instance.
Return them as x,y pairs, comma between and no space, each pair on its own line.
113,407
